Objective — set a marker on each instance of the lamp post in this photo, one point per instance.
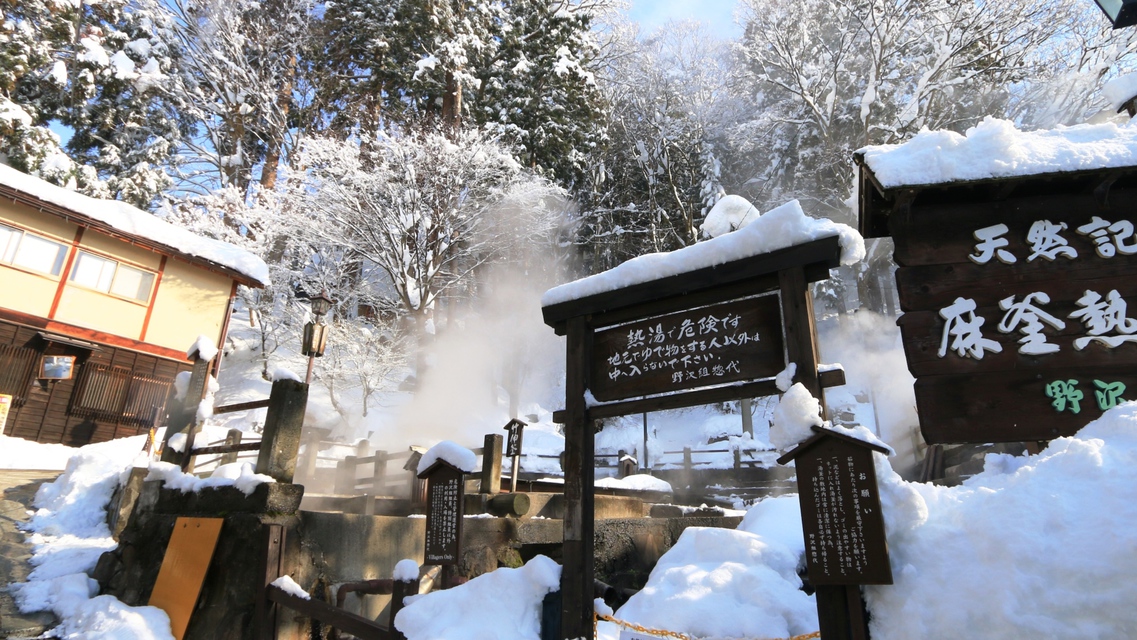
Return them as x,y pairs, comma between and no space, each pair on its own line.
316,332
1122,13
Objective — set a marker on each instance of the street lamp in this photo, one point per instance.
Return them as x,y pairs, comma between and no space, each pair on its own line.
316,332
1122,13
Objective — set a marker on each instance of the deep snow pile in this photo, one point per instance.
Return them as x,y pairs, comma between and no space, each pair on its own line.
995,148
1033,547
68,534
17,453
501,605
778,228
727,583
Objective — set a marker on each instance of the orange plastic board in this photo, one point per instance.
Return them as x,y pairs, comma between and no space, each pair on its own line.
183,569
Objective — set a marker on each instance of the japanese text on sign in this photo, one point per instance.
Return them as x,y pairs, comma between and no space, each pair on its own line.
722,343
443,521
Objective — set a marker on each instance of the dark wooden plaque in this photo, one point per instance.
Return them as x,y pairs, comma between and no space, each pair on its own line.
840,511
1020,313
515,430
445,495
701,347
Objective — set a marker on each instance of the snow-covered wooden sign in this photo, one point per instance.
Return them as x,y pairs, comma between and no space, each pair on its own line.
841,515
1015,288
445,497
712,322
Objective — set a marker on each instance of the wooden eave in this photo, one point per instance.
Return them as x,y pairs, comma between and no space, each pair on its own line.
878,204
817,257
821,433
27,199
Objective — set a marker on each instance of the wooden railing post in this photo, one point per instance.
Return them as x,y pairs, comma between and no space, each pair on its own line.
265,615
345,476
233,437
184,418
306,470
379,473
737,459
491,464
280,442
687,459
401,590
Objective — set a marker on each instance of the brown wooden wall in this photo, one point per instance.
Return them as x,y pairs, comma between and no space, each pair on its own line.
44,417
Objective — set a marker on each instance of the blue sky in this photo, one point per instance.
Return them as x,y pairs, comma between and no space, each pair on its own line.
717,14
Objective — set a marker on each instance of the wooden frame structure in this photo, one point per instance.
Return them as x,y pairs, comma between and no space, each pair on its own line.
784,273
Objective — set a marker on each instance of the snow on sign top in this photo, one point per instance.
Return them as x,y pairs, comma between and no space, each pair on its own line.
778,228
135,222
996,149
451,452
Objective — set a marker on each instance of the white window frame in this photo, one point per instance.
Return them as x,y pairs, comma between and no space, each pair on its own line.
10,253
110,275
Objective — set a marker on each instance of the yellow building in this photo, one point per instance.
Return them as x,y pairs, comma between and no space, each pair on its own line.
98,303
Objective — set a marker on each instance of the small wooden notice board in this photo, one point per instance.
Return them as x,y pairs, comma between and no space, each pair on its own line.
840,510
445,497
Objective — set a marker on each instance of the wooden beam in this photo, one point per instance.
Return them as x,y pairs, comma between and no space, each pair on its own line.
241,406
346,621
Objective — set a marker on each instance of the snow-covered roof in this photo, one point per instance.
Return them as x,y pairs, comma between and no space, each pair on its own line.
136,224
778,228
450,452
995,148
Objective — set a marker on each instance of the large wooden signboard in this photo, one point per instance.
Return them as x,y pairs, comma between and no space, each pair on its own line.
840,510
711,335
1016,294
445,498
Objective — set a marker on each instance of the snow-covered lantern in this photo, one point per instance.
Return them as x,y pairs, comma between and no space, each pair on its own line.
1122,13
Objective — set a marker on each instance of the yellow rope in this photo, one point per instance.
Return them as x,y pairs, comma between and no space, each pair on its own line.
668,634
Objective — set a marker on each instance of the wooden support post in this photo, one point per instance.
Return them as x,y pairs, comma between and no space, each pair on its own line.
801,336
687,462
270,569
747,417
281,439
491,464
233,437
579,526
737,459
401,590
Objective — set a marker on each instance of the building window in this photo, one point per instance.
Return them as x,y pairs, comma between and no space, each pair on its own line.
22,249
114,394
109,276
17,365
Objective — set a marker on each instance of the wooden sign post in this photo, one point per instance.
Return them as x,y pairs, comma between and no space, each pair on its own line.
516,430
445,503
1015,295
715,334
843,524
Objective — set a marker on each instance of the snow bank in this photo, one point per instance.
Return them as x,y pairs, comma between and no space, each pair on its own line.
451,452
724,583
779,228
996,149
638,482
501,605
17,453
139,223
1119,90
1033,547
237,474
68,534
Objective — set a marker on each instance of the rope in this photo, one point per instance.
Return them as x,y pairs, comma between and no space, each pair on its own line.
668,634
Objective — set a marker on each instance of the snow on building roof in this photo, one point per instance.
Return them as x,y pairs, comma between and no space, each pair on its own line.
450,452
995,148
122,218
782,227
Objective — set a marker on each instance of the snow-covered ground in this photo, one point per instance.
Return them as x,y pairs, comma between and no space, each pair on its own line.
1035,546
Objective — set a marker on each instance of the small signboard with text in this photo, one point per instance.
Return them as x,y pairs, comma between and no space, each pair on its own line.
445,498
1016,318
716,344
840,510
515,431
